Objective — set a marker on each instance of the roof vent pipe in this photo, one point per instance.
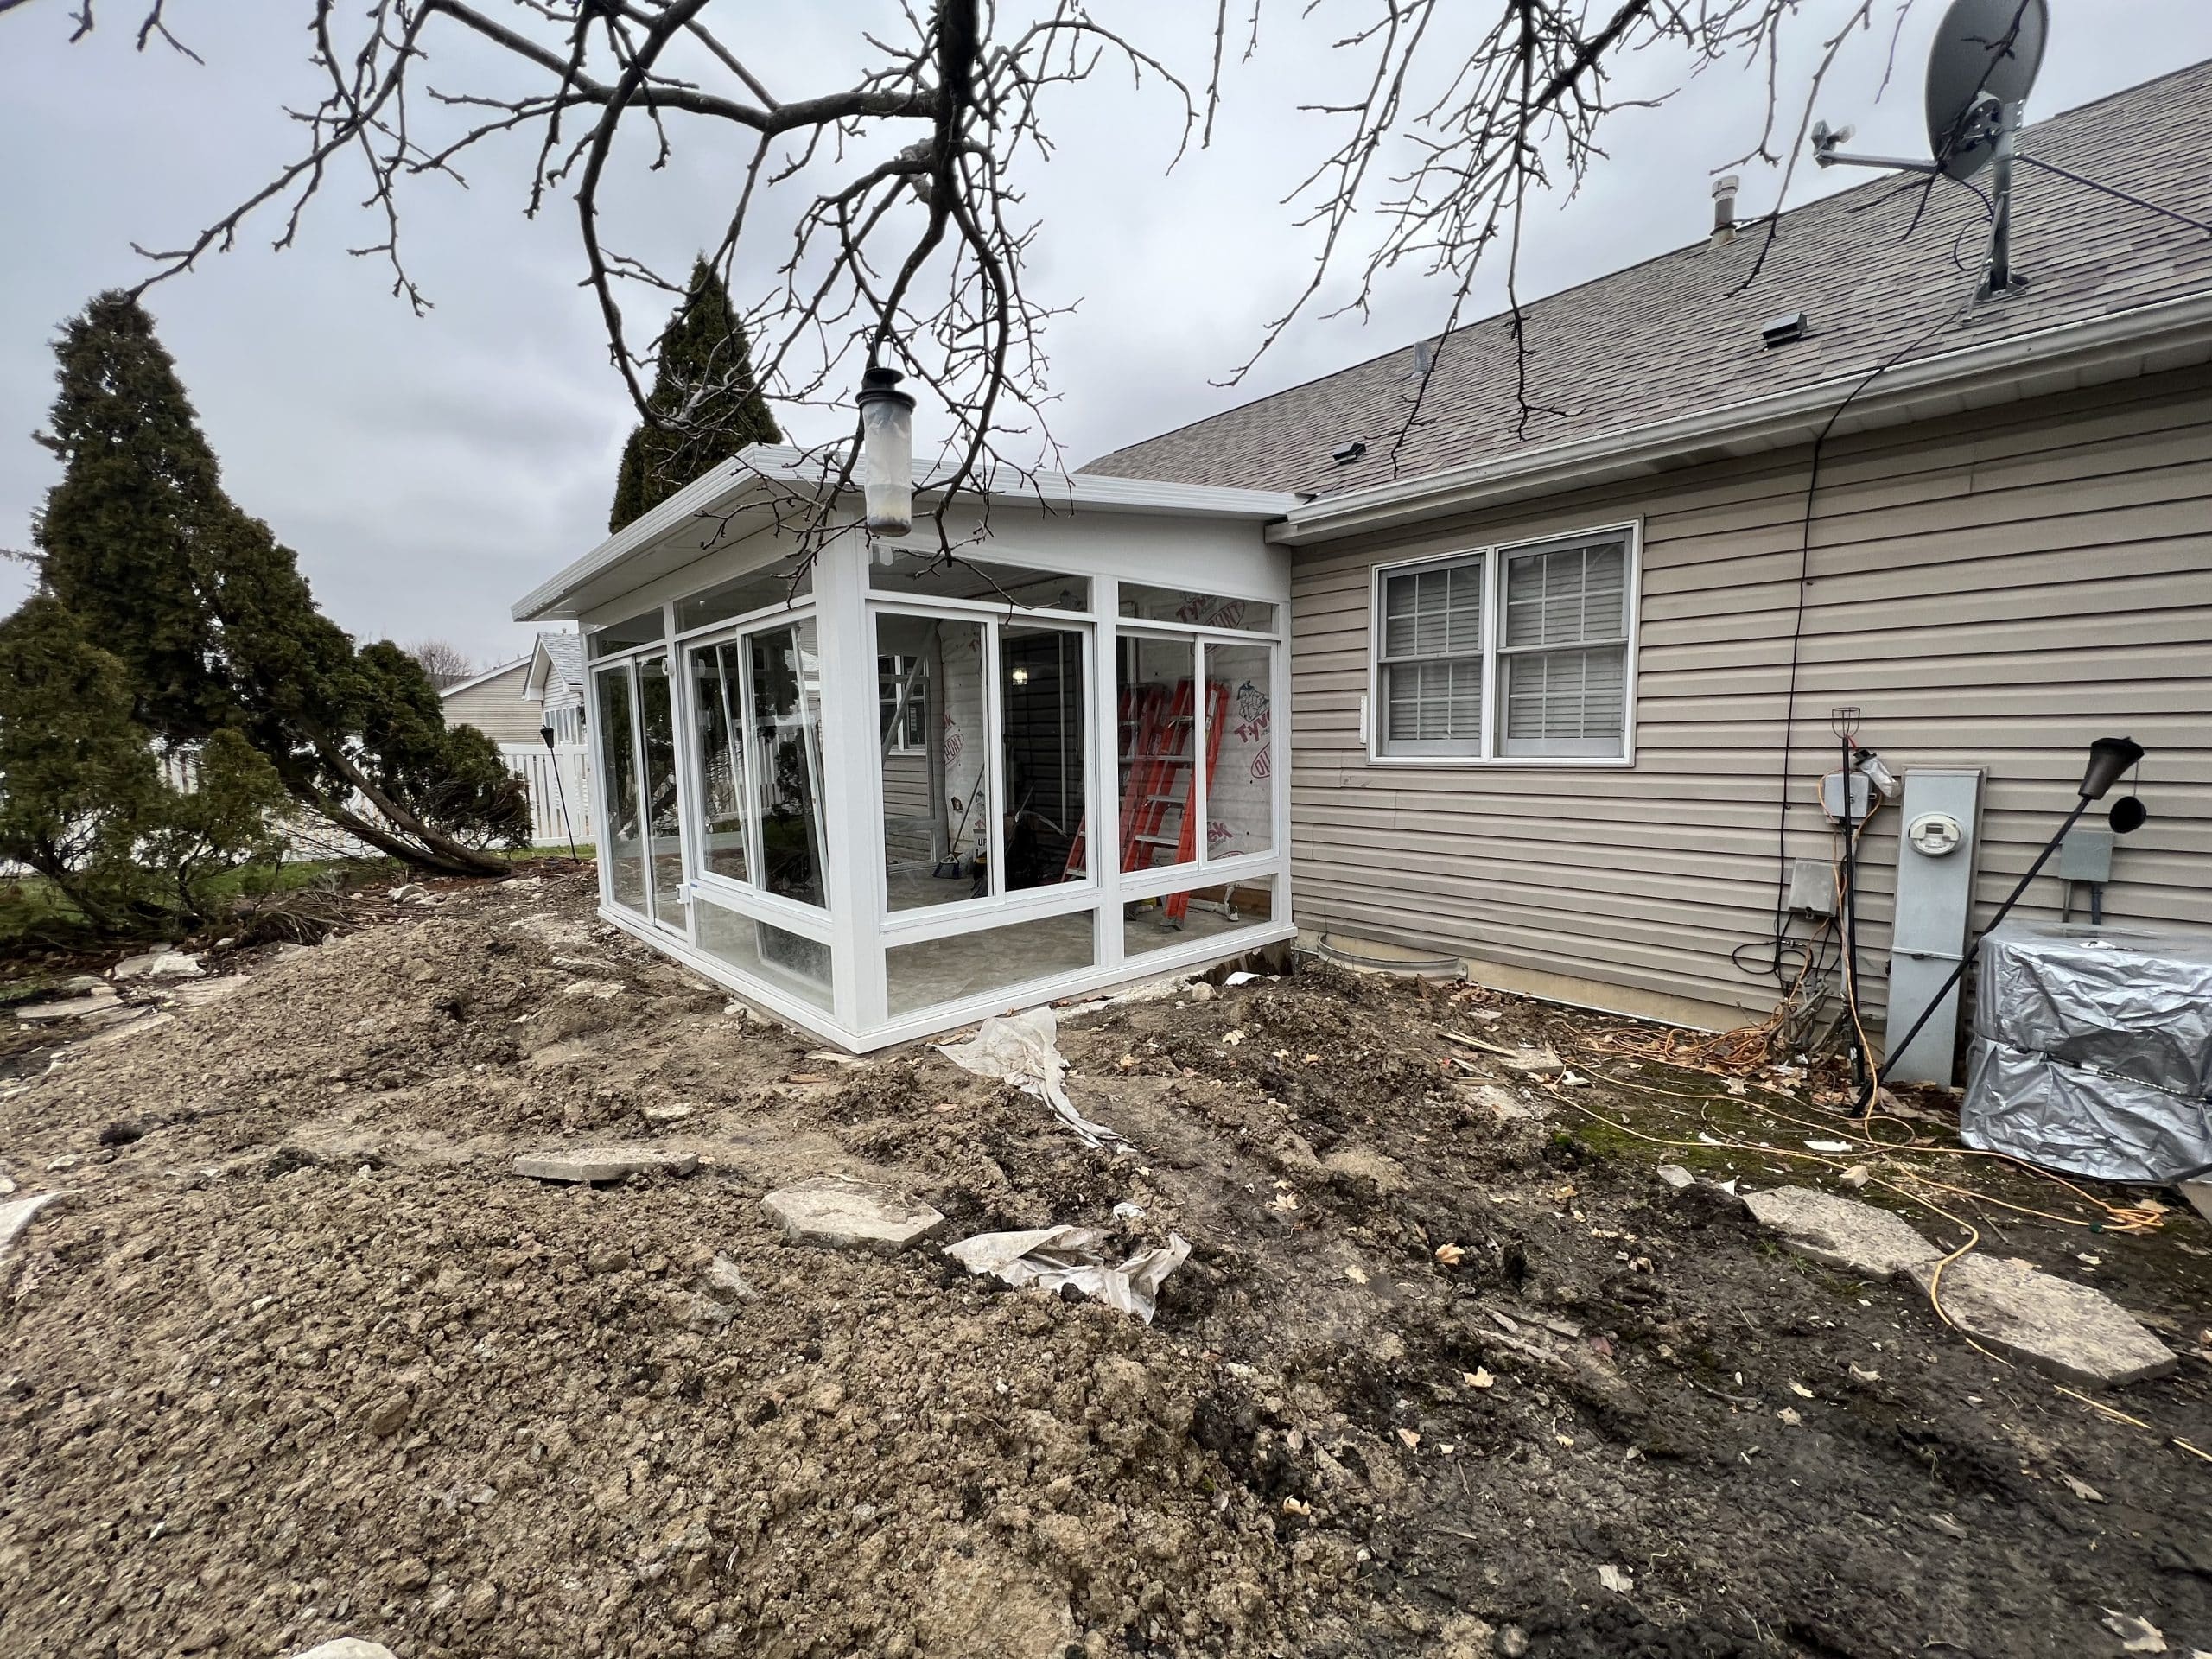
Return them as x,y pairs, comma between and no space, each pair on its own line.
1724,209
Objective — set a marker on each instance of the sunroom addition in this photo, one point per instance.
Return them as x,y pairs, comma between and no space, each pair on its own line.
882,793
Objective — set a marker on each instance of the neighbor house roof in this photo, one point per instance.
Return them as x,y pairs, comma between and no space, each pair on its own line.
556,657
484,677
1664,345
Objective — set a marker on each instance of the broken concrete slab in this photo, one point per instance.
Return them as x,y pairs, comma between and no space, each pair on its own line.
1534,1063
666,1114
1676,1176
157,964
2067,1329
18,1214
843,1214
346,1647
49,1014
1840,1232
592,1164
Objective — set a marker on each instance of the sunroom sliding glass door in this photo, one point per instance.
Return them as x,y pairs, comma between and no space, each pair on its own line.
664,844
622,839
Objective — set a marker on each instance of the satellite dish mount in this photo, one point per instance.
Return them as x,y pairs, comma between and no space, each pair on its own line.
1981,70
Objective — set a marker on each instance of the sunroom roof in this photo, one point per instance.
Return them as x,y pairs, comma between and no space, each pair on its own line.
678,531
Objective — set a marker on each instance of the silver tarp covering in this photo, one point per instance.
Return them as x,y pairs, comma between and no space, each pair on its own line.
2093,1050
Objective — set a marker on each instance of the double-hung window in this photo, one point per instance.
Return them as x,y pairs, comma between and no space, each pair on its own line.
1507,653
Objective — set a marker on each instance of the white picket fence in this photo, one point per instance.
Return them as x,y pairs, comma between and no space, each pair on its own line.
553,777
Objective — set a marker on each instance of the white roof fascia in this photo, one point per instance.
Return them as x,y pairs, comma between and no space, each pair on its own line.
1796,414
764,465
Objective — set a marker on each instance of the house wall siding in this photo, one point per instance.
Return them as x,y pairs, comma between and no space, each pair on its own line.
1992,590
497,708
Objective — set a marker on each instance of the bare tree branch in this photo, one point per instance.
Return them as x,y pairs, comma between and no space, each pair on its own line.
909,243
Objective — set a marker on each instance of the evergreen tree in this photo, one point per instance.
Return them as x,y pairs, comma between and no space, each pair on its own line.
217,630
82,801
705,406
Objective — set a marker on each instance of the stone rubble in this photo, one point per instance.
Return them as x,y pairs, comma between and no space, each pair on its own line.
843,1214
598,1164
1840,1232
47,1014
2070,1330
158,964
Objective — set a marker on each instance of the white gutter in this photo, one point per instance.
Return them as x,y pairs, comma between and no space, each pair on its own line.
1791,415
773,466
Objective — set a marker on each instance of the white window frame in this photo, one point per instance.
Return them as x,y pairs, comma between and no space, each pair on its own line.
749,898
1489,750
999,906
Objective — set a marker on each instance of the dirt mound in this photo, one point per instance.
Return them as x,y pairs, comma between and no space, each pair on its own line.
1448,1373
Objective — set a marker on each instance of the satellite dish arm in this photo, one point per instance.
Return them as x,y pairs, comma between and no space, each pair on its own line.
1828,152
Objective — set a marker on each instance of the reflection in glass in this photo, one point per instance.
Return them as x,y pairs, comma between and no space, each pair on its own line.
930,574
764,951
1140,603
786,760
622,842
785,582
657,717
936,818
717,696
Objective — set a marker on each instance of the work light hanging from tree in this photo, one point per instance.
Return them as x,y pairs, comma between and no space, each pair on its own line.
886,467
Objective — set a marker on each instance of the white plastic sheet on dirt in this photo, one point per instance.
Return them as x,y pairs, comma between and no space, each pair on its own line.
1054,1257
1024,1049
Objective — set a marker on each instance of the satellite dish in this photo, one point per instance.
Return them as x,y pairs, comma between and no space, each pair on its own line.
1984,50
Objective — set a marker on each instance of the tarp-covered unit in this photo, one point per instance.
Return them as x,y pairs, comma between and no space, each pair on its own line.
2092,1050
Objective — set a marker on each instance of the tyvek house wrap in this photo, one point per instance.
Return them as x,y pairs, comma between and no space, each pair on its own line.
2092,1050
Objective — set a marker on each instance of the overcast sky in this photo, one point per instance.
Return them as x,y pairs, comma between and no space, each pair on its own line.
430,470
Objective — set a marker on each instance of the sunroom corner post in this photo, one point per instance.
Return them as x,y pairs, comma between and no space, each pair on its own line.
853,822
1104,848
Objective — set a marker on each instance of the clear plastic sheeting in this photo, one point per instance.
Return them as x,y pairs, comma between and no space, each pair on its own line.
2092,1051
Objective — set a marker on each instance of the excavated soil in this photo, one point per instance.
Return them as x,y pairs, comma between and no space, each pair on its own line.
1448,1373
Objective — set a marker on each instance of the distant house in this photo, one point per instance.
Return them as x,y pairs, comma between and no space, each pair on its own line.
1558,672
512,704
495,704
555,683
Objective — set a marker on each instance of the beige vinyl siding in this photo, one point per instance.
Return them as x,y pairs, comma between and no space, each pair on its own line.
497,708
1992,590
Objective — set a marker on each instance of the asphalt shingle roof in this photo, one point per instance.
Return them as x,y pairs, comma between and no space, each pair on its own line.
1678,334
566,653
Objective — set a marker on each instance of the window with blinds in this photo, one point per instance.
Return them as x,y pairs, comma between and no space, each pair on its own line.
1565,651
1432,660
1507,653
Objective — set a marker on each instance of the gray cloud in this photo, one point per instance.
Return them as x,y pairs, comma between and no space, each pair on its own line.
430,470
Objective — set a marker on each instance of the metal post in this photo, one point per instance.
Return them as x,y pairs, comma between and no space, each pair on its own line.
1997,277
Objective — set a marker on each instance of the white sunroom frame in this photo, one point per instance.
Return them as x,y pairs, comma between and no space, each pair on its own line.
1153,545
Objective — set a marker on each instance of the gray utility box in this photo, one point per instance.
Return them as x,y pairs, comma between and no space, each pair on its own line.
2093,1050
1939,841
